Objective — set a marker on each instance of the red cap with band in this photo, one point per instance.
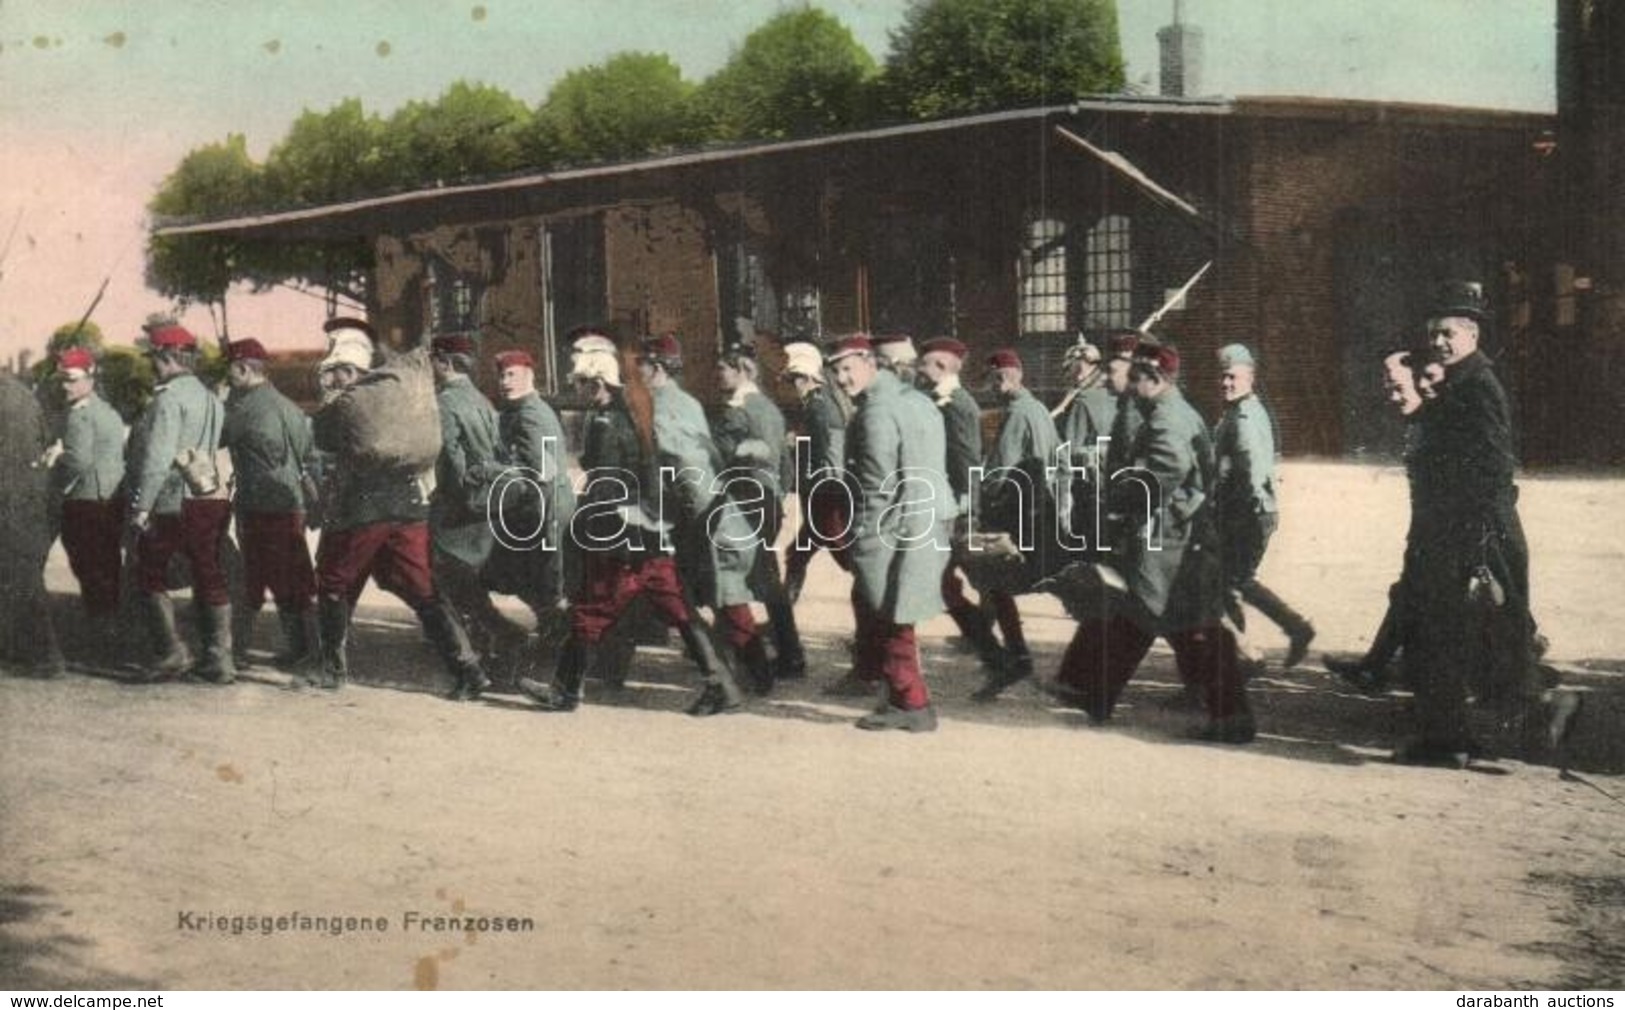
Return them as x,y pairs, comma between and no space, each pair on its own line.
1004,358
854,343
170,335
452,343
247,350
75,359
945,345
515,359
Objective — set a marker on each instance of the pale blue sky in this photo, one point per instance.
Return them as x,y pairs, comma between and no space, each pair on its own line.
99,99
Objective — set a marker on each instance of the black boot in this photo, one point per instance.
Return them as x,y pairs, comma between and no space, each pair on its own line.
758,667
333,617
214,627
451,641
297,646
977,631
576,660
1299,631
171,658
781,620
1017,668
242,635
720,693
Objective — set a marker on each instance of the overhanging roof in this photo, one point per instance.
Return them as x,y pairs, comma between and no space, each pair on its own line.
332,217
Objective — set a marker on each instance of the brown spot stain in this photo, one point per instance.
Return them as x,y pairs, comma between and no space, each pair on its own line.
273,47
459,906
478,13
384,48
41,42
440,893
228,774
449,953
116,40
426,975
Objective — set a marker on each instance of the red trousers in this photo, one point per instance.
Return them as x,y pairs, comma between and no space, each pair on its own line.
197,532
737,624
1103,655
92,536
610,583
395,554
276,558
887,650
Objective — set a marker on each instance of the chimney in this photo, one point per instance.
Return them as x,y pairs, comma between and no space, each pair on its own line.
1181,50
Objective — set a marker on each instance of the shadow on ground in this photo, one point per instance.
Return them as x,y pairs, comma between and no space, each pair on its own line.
38,950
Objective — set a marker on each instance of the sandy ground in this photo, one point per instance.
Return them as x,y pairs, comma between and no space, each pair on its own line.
1017,847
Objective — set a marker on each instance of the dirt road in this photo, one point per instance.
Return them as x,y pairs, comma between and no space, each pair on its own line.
1017,847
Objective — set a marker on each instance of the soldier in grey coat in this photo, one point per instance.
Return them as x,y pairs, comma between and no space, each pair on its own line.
1172,571
85,479
1244,450
750,437
459,523
820,455
1017,498
178,505
26,631
532,502
715,542
897,458
272,461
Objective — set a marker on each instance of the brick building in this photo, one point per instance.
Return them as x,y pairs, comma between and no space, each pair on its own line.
1327,224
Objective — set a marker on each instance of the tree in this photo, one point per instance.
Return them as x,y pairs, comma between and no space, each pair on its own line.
954,57
631,105
328,157
471,131
217,180
799,74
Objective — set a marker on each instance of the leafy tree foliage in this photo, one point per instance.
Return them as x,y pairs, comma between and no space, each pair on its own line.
471,131
216,180
630,105
328,157
955,57
799,74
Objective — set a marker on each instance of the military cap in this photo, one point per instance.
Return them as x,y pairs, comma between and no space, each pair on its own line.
803,358
664,345
452,343
1082,350
895,346
76,359
852,343
170,335
1236,356
1122,344
247,350
515,359
1004,357
339,323
1161,358
945,345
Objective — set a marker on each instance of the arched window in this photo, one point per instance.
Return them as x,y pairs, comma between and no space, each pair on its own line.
1043,278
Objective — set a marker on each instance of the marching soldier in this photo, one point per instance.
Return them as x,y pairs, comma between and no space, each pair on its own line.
1174,581
750,435
1126,419
1244,450
826,507
1015,499
619,528
459,526
178,506
1084,418
533,498
85,478
376,525
901,531
272,456
939,370
716,547
895,352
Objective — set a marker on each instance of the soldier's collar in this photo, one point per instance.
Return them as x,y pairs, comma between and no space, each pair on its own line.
944,389
746,387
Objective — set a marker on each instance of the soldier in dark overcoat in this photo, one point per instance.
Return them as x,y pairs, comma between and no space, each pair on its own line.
820,454
1171,567
272,465
623,538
